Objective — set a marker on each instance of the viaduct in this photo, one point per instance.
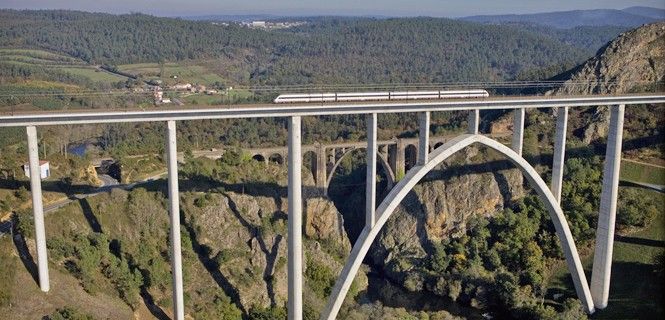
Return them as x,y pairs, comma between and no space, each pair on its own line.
593,294
395,156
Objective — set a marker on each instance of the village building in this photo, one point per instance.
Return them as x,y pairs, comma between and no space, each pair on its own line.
44,169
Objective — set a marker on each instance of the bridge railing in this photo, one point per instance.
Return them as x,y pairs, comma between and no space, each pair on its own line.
294,113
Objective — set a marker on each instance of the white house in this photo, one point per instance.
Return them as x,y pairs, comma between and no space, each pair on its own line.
44,168
181,86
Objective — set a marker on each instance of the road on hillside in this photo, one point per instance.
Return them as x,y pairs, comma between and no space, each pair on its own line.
108,183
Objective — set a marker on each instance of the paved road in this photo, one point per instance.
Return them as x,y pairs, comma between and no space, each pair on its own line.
644,163
108,184
656,187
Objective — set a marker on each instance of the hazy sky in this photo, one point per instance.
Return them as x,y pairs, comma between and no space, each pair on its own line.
440,8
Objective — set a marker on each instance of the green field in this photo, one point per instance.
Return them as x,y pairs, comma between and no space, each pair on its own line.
632,171
94,74
636,291
186,72
57,62
33,55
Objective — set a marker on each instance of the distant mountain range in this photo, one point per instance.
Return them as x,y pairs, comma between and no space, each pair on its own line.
629,17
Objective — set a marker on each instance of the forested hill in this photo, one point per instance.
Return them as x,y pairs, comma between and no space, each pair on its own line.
105,38
631,17
326,50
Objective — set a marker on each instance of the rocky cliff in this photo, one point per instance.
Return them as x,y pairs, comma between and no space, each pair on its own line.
633,62
247,236
440,206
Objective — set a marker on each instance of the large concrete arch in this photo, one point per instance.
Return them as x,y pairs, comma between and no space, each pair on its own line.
380,157
397,194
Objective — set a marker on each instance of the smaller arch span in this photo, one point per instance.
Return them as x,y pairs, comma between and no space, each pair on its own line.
381,158
259,157
276,158
399,192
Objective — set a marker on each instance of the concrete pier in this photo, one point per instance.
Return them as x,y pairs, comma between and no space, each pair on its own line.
474,121
174,212
602,258
321,169
370,187
559,152
518,130
295,220
423,137
38,208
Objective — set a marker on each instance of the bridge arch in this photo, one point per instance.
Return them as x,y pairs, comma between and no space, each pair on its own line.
259,157
397,194
381,158
277,158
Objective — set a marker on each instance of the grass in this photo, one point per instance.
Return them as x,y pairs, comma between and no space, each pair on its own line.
632,171
59,62
636,292
187,72
94,74
39,54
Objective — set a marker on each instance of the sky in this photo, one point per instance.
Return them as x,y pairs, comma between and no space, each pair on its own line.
437,8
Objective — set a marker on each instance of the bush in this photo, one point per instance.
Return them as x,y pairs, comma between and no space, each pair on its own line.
634,208
273,313
25,223
69,313
320,278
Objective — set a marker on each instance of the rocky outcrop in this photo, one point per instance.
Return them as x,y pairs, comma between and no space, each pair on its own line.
246,235
634,62
440,207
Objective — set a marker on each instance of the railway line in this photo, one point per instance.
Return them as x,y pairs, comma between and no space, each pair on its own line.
9,118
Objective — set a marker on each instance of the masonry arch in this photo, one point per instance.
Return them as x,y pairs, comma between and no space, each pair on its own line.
276,158
381,158
259,157
397,194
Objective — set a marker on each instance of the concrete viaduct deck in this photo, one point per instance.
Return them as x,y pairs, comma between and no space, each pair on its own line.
593,295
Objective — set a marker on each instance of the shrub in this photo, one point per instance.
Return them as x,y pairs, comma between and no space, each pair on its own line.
320,278
69,313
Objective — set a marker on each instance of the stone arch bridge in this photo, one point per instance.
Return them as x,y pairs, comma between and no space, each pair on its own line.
395,156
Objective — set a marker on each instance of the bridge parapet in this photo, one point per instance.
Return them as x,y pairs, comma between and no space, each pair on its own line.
391,153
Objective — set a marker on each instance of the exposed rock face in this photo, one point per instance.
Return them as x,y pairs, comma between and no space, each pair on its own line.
324,222
246,236
439,207
634,62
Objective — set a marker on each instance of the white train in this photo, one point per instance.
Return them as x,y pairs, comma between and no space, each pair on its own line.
378,96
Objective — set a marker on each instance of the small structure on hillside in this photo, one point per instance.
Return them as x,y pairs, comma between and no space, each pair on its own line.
181,86
44,169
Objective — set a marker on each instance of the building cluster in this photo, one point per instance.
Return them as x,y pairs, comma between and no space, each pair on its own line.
260,24
183,88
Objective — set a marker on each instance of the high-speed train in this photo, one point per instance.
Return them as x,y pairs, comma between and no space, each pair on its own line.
379,96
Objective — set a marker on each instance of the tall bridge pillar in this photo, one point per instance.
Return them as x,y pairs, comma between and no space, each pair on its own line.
518,131
370,187
174,212
602,257
559,152
423,142
38,208
295,220
474,121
